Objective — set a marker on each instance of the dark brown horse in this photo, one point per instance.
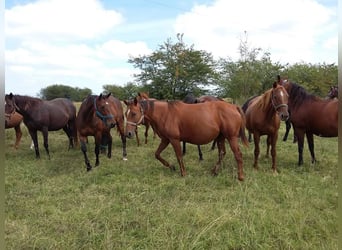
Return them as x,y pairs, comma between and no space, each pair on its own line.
191,99
263,117
42,115
310,115
96,116
141,96
13,120
197,124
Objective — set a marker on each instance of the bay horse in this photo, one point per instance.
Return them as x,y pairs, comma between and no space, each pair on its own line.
310,115
263,117
14,120
176,121
191,99
96,116
140,96
42,115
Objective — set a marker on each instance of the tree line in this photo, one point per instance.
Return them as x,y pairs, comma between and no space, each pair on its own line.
176,69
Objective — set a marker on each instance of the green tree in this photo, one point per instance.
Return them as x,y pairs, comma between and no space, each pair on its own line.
174,70
60,90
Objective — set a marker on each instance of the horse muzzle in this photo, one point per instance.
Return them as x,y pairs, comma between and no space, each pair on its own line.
284,116
130,134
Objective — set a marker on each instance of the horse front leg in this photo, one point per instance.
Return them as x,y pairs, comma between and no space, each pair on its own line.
163,144
256,138
200,155
273,142
83,142
33,134
300,143
123,139
97,150
147,125
178,151
18,135
288,128
311,144
110,143
46,141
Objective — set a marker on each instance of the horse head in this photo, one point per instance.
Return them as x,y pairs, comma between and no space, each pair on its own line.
10,105
134,116
279,100
103,109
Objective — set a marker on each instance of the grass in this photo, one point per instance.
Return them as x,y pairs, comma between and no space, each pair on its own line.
139,204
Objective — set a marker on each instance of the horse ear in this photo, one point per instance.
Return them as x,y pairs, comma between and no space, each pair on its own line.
278,78
275,85
139,94
135,101
100,96
108,94
126,102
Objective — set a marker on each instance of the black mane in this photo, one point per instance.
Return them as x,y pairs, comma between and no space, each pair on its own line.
298,95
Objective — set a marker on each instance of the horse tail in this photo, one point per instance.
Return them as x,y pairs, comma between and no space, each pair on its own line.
242,133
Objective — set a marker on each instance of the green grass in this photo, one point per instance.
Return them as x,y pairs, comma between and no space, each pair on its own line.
139,204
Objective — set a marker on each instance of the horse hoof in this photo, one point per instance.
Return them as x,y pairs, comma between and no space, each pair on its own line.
173,168
241,178
124,159
89,169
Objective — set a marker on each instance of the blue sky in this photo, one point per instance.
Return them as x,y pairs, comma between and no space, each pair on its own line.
86,43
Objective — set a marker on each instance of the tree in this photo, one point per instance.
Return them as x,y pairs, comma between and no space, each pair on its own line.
123,93
175,70
59,90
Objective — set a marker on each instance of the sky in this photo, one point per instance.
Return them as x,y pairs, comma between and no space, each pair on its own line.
87,43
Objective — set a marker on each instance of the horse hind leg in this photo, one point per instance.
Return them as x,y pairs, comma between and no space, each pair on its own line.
311,145
221,149
68,132
34,137
234,146
46,141
256,138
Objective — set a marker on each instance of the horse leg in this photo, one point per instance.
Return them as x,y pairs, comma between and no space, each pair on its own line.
178,151
300,142
288,127
83,142
67,131
46,140
18,135
200,155
163,144
213,145
221,152
184,147
249,136
110,142
234,146
256,138
311,144
268,143
146,131
121,129
273,142
98,140
34,138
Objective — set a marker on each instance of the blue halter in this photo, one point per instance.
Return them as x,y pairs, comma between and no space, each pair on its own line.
101,116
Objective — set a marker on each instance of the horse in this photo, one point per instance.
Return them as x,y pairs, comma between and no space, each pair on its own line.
176,121
244,109
96,116
263,117
191,99
13,120
43,115
333,92
310,115
140,96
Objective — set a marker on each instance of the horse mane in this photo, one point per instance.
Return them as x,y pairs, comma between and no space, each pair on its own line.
299,95
264,101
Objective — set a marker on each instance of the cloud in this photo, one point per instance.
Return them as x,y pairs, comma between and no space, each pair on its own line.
288,29
61,19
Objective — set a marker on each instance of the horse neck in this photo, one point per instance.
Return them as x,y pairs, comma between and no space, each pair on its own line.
155,110
22,103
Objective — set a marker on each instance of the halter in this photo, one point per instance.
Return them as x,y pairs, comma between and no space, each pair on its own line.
141,120
101,116
276,107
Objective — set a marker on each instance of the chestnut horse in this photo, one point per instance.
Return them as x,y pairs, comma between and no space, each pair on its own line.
141,96
13,120
310,115
199,124
263,117
96,116
190,99
42,115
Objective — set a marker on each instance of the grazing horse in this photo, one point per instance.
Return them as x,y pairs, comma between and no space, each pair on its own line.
263,117
198,124
42,115
13,120
96,116
310,115
141,96
191,99
333,92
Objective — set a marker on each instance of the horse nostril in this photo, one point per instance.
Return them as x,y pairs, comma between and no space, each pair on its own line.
112,125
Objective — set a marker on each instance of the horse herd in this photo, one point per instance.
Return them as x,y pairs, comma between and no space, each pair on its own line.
194,120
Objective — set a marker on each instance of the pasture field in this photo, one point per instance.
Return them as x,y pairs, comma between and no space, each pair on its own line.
139,204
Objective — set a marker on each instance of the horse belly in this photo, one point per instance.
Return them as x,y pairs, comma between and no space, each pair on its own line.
199,135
